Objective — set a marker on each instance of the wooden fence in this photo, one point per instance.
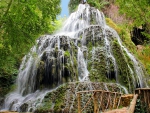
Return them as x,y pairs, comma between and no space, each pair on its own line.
102,100
144,96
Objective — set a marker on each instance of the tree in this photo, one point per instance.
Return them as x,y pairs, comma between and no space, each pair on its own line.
73,5
21,22
137,11
99,4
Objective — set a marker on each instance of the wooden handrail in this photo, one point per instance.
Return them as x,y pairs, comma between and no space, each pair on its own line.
144,96
97,91
132,104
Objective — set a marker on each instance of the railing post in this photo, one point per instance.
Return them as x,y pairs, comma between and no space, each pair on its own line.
101,100
79,104
95,102
114,101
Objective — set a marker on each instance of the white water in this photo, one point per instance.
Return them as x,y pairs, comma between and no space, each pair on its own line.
82,67
77,22
109,54
34,100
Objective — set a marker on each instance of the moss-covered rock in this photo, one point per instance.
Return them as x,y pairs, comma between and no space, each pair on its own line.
64,98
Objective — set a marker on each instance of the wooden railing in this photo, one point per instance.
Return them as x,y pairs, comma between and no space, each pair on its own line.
144,96
101,100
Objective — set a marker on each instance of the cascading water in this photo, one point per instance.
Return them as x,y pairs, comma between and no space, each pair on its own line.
82,51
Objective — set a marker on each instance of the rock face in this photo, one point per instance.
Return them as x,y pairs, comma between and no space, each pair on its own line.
85,50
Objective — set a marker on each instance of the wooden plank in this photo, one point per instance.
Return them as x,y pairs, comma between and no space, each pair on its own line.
114,101
132,104
148,98
101,100
145,97
96,91
108,101
119,102
142,89
79,104
95,103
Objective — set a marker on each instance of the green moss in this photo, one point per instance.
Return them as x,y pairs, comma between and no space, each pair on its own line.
122,59
7,84
59,105
12,88
144,57
97,65
72,68
113,25
67,54
34,55
90,46
93,20
80,36
53,101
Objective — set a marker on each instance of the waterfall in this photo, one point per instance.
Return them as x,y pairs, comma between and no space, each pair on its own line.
82,67
137,66
82,51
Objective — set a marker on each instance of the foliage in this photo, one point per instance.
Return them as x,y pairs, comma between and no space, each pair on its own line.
99,4
73,5
113,25
21,22
137,12
144,57
53,101
140,108
123,33
58,23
